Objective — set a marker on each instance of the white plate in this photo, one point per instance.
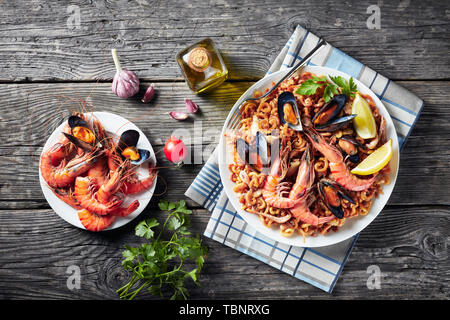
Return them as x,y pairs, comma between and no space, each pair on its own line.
113,124
352,226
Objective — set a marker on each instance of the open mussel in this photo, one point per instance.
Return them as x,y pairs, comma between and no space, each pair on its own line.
79,143
255,155
349,145
127,148
332,193
326,119
80,129
288,111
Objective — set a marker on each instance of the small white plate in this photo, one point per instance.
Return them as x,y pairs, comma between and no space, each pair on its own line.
352,226
114,125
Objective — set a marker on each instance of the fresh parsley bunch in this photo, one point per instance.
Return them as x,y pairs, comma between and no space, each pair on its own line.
159,262
338,84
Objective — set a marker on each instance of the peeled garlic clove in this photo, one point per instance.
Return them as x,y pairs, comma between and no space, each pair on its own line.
125,83
191,106
149,93
178,115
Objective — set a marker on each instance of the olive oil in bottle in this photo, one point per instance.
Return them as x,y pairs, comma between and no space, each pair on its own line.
202,66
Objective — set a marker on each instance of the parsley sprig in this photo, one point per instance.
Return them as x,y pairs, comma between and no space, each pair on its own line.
160,263
338,84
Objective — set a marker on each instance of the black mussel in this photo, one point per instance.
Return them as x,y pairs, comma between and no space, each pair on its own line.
330,110
349,145
80,129
128,138
79,143
76,121
127,148
288,111
255,155
326,119
336,124
332,193
144,155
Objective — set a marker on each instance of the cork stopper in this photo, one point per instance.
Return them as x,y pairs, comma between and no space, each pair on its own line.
199,59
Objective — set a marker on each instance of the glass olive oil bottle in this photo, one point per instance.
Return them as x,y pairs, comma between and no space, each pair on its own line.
202,66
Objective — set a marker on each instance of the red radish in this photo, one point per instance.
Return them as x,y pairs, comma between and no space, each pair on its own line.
175,150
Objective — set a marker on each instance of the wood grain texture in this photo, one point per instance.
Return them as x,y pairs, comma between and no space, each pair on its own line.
44,41
412,251
48,62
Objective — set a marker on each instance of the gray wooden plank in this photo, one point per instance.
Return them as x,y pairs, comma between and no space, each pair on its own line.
424,176
408,244
43,40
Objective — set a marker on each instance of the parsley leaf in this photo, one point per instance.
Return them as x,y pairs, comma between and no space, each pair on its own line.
309,87
144,228
160,263
348,88
338,84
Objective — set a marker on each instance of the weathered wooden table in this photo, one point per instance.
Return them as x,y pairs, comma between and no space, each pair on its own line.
58,48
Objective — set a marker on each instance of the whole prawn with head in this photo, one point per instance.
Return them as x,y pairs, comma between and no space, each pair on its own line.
59,170
300,192
274,190
339,170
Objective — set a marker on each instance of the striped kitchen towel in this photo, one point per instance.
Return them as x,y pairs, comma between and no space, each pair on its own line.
318,266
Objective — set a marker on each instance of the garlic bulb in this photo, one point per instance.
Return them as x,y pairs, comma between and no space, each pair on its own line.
125,83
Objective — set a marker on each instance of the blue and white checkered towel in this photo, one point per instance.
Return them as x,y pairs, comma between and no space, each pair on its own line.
318,266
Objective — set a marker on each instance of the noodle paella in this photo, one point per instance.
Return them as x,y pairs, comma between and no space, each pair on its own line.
294,151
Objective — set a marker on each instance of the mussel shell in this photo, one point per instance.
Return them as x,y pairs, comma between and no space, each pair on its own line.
76,121
79,143
288,97
144,155
354,158
336,124
128,138
340,100
352,139
337,211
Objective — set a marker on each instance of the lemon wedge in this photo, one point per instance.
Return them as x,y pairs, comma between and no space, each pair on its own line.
375,161
364,122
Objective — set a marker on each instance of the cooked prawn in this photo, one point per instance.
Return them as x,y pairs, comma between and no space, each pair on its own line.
57,171
269,190
95,222
338,168
134,185
300,190
67,196
108,188
99,171
85,193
